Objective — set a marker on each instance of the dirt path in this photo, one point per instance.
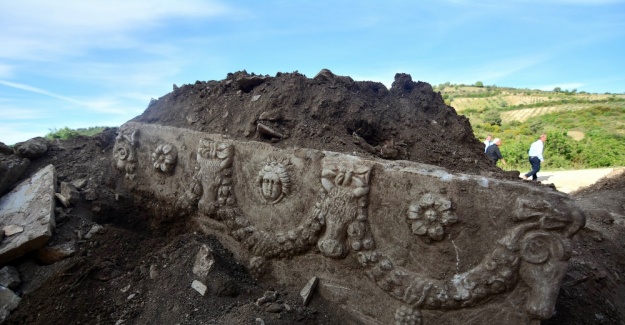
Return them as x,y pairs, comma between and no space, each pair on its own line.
568,181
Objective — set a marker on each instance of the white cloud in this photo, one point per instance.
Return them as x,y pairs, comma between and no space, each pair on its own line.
42,29
39,91
107,104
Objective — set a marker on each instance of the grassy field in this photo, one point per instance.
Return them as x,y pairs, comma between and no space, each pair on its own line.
585,130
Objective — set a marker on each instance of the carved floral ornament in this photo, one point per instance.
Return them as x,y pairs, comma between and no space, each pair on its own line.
165,158
429,215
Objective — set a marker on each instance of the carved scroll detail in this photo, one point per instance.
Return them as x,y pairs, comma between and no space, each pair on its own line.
124,153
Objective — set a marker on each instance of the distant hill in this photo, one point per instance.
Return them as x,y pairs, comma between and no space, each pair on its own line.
585,130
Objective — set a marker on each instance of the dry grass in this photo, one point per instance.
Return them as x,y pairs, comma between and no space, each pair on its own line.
576,135
524,114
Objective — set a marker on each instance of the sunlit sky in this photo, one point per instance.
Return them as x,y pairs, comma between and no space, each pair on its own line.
80,63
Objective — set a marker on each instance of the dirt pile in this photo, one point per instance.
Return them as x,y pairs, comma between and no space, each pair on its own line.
328,112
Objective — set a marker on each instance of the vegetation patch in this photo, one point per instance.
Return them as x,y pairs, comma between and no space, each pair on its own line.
67,133
584,130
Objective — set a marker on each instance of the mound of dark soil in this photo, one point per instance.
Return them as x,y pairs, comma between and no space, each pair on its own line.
328,112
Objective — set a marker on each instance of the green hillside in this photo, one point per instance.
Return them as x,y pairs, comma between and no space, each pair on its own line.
584,130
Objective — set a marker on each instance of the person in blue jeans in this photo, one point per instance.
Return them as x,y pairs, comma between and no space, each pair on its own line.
536,157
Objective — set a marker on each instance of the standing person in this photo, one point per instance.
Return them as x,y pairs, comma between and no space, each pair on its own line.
536,156
487,142
493,152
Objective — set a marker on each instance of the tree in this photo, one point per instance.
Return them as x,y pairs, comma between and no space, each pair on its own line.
557,90
479,84
492,117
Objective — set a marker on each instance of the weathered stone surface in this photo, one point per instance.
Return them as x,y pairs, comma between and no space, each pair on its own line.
32,149
30,206
11,168
10,277
391,241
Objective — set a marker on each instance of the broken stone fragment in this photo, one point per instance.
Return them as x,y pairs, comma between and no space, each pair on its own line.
95,229
69,192
308,289
273,307
29,206
269,296
79,183
199,287
63,200
204,262
8,302
268,132
10,277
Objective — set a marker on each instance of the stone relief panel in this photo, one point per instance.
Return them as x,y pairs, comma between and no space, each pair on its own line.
124,152
165,158
274,181
529,252
429,215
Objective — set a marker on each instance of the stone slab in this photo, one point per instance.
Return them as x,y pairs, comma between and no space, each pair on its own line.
29,206
390,241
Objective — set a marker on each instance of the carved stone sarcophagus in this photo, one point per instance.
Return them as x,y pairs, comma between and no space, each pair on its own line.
390,241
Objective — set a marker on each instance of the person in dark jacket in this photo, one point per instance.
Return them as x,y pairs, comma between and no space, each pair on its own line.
493,152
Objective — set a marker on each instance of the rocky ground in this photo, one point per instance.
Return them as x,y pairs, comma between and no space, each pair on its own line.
135,270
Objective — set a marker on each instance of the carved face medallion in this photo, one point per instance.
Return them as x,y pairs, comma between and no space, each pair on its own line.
274,181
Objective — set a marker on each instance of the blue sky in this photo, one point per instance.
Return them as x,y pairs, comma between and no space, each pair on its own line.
80,63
